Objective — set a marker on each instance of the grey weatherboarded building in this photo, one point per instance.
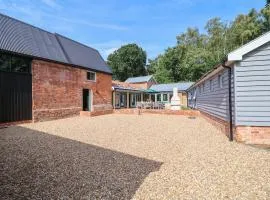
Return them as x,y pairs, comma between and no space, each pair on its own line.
248,67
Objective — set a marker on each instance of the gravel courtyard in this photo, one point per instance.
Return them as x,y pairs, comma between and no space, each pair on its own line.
129,157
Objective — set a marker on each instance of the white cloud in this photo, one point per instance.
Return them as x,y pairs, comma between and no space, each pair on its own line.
109,51
51,3
87,23
106,48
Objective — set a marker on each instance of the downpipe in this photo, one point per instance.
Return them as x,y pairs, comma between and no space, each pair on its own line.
230,99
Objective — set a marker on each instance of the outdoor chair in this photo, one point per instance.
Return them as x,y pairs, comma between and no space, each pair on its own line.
139,105
155,105
161,105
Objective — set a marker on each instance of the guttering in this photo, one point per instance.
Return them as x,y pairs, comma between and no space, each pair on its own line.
230,98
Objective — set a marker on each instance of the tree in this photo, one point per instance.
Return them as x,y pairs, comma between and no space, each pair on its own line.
194,53
265,18
128,61
267,3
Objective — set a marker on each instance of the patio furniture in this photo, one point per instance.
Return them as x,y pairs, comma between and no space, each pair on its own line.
139,105
155,105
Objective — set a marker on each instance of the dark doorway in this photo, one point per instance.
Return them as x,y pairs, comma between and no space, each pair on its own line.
15,88
86,98
15,97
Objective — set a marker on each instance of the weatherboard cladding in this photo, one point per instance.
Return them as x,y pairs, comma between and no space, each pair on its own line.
22,38
214,101
169,87
139,79
253,88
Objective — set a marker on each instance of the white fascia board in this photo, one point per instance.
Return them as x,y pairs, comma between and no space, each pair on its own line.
237,54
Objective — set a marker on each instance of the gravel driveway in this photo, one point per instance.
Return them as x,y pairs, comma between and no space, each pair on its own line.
129,157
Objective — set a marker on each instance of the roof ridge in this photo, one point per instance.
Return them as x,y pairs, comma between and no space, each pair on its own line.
174,83
57,34
62,48
140,76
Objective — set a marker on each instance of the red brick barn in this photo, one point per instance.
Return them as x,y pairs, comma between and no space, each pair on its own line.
47,76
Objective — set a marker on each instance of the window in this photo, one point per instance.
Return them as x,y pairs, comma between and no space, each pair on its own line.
211,85
220,81
203,87
165,97
158,97
20,64
4,62
12,63
153,97
91,76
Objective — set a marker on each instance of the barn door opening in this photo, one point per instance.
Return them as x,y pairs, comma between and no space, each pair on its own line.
87,100
15,88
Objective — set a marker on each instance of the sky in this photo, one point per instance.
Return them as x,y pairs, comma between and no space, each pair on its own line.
108,24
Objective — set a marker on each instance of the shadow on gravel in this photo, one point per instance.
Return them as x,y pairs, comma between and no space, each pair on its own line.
38,165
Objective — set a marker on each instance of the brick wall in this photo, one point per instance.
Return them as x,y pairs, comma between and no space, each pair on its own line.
253,135
245,134
222,125
143,85
57,90
193,113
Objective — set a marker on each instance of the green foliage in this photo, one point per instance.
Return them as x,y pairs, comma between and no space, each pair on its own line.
185,108
194,53
267,2
265,18
127,61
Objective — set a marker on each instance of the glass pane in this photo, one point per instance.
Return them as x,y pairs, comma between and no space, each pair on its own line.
158,97
20,64
91,76
4,62
153,97
165,97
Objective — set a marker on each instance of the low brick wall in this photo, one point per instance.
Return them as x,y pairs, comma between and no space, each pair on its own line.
222,125
163,111
51,114
244,134
253,135
95,113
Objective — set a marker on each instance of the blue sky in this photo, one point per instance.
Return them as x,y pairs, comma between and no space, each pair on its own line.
108,24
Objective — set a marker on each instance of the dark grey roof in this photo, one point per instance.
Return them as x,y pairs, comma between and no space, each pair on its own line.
79,54
139,79
22,38
182,86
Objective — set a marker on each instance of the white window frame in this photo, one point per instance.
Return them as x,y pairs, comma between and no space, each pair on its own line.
163,97
211,85
220,81
93,73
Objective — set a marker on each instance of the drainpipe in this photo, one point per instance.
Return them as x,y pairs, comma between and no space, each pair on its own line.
230,99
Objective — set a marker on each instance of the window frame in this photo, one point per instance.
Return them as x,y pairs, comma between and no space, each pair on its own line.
220,81
166,97
159,95
211,84
26,60
90,76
